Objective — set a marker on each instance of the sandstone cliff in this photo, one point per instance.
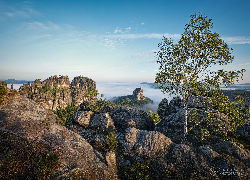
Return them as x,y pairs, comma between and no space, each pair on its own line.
57,92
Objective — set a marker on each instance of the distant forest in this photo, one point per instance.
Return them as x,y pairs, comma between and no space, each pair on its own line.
232,93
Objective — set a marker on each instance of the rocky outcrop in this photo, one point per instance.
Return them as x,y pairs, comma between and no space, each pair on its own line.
138,94
143,143
97,144
57,92
125,118
165,109
28,120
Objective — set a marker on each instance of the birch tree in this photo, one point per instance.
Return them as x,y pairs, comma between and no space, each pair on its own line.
185,67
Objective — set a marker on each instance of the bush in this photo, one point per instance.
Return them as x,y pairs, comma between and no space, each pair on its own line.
66,115
138,170
100,104
154,116
111,141
205,123
2,92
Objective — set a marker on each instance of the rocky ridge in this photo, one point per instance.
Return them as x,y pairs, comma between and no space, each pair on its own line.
57,92
110,143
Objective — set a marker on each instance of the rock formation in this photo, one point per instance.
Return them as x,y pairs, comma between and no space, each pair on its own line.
105,144
138,94
57,92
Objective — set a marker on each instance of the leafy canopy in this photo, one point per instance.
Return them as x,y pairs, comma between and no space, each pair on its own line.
184,66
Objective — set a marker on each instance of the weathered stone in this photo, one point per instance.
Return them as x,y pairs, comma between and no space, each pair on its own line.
82,117
208,152
185,162
233,149
111,161
138,94
28,120
102,122
244,132
165,109
172,126
98,141
57,92
84,106
149,144
125,118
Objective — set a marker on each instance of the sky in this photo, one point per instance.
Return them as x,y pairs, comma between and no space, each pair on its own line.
108,41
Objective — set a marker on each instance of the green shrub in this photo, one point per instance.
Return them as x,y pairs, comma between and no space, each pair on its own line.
111,141
66,115
100,104
2,92
205,124
138,170
154,116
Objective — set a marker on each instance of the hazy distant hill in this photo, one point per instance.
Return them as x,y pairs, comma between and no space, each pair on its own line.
14,81
152,85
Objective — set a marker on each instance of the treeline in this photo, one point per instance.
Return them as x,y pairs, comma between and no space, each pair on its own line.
233,93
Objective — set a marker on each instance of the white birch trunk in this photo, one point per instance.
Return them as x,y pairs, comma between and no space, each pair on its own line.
185,123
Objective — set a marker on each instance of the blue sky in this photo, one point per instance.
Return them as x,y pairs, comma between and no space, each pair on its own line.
108,41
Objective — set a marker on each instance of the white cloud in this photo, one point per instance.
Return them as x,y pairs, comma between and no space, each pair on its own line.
142,23
38,37
23,10
152,61
237,40
127,29
244,64
116,30
144,36
141,55
41,26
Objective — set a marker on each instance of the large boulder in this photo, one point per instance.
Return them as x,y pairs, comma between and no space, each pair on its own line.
149,144
28,120
172,126
82,117
102,122
125,118
244,132
233,149
183,162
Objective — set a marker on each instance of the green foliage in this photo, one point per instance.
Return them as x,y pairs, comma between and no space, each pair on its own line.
184,66
127,101
138,170
2,92
55,89
44,89
232,95
237,112
21,159
91,92
66,115
111,141
99,105
154,116
206,123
